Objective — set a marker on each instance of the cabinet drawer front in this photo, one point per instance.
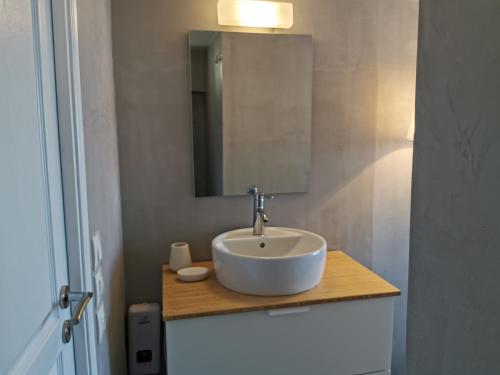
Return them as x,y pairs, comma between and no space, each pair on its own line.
342,338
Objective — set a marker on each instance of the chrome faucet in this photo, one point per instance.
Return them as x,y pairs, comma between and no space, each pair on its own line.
259,214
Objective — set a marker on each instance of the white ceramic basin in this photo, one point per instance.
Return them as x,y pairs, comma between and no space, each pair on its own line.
291,261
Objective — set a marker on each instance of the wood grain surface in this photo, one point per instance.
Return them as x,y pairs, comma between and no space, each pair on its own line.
344,279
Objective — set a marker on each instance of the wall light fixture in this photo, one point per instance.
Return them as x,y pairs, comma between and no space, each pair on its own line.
255,13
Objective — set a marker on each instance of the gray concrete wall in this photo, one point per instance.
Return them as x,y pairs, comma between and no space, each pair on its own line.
363,95
454,309
101,153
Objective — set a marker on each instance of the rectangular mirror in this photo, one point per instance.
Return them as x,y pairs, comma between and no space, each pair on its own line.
251,112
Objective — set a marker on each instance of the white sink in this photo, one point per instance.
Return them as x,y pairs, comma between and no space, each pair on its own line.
284,261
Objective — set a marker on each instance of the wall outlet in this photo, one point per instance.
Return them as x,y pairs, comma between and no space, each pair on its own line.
99,286
101,322
97,250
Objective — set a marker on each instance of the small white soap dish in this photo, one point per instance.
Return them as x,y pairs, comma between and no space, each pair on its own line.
191,274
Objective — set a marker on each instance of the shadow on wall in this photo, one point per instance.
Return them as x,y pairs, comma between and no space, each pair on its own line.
391,212
116,327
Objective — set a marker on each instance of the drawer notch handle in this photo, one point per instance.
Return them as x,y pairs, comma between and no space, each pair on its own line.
289,311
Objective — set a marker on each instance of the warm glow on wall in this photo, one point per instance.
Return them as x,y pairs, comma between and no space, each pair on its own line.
255,13
411,130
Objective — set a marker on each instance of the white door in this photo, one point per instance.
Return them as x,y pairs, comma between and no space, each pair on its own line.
33,264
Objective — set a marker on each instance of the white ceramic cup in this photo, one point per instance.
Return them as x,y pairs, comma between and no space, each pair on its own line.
180,257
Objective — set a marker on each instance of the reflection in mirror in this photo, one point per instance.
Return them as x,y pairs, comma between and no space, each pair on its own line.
251,112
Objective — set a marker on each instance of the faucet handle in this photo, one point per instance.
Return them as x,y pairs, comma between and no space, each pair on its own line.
253,190
262,196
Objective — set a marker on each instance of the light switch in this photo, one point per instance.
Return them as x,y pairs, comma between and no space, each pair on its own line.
101,322
99,286
97,250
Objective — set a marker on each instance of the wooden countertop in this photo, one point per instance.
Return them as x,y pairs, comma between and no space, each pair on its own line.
344,279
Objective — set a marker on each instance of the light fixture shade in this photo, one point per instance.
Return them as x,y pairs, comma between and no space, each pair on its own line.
255,13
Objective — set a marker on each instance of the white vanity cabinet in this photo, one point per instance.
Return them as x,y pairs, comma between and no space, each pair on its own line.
339,338
343,326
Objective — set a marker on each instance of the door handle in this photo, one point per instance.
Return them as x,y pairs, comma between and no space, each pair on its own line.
65,298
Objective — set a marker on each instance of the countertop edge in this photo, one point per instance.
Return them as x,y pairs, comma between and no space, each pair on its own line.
170,318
